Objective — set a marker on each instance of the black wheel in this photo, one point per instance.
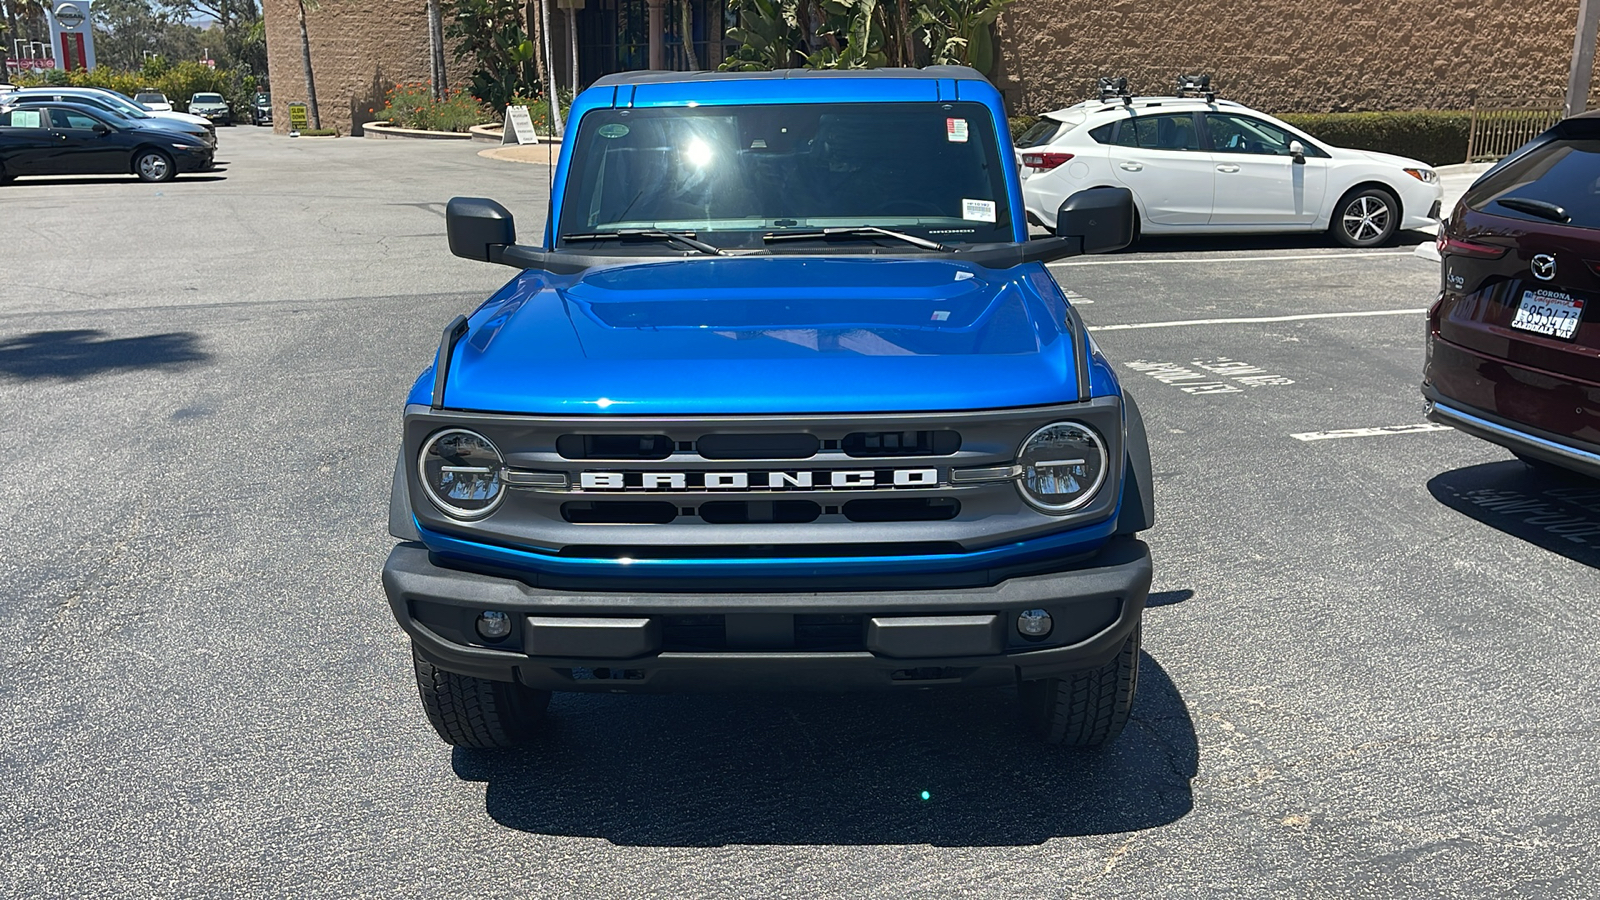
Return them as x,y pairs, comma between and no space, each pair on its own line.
153,165
1366,217
474,712
1086,708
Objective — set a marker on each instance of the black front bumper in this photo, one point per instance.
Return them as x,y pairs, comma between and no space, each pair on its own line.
833,640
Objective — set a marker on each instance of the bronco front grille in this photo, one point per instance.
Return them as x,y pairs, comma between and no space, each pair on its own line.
743,487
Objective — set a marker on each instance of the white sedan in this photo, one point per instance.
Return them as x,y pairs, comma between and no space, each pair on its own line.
153,101
1217,167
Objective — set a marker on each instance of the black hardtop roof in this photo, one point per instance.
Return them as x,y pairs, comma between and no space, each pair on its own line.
964,73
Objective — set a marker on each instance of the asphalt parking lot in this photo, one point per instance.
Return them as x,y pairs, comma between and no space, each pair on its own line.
1369,664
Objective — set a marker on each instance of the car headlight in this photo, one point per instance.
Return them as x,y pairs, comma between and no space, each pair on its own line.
1426,176
186,147
460,470
1063,465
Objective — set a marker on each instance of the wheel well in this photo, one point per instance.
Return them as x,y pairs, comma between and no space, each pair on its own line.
133,158
1394,195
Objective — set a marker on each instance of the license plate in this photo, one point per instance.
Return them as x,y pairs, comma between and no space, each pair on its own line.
1550,313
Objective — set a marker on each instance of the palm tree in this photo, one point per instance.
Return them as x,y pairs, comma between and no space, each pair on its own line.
305,54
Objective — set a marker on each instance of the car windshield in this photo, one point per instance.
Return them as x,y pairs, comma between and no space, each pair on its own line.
207,98
733,173
121,107
150,98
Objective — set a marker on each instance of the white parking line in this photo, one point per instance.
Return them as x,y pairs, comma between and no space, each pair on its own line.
1229,259
1370,432
1247,320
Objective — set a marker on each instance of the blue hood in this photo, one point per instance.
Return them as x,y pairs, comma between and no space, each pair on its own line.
763,334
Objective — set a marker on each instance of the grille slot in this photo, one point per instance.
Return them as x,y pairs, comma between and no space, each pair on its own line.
758,446
931,509
741,512
619,512
614,446
760,551
901,443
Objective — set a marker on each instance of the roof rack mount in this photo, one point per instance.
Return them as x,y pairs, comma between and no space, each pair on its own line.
1196,84
1115,89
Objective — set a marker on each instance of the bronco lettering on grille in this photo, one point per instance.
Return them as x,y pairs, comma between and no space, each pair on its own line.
791,480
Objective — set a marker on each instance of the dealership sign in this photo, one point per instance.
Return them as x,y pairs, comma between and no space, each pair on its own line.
70,16
30,64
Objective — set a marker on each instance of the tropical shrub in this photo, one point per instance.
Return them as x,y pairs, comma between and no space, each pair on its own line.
412,106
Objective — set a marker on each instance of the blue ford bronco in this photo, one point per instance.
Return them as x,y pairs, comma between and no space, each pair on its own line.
786,399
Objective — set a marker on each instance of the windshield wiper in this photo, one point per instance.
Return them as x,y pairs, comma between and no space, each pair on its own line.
857,231
1535,208
648,234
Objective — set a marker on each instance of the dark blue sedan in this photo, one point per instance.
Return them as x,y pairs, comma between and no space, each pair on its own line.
73,139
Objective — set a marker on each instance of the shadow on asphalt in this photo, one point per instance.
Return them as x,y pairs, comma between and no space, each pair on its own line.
84,353
1558,513
23,181
1248,242
1167,598
709,770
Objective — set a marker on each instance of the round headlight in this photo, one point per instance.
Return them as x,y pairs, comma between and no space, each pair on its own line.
1062,466
460,470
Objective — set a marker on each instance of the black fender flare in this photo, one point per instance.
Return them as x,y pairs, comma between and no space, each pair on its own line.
401,522
1138,483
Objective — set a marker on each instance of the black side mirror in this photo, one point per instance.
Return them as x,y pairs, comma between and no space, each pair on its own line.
479,229
1102,217
101,128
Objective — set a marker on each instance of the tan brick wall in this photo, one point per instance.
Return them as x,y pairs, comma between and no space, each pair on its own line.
359,49
1293,55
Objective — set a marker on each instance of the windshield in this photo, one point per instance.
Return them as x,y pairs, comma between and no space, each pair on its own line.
733,173
121,106
150,98
207,98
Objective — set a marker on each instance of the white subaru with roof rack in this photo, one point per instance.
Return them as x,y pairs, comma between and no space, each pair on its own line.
1200,165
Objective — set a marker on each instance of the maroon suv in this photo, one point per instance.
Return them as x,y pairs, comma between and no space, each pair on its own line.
1513,351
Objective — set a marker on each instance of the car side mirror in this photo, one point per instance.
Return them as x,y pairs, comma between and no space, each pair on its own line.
1298,151
1101,217
478,228
101,128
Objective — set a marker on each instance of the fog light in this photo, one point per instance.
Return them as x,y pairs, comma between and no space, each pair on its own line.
1034,623
494,624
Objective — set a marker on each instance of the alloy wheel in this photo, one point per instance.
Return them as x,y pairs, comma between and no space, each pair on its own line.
154,167
1366,219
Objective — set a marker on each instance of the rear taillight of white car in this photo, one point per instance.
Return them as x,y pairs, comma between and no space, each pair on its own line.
1044,162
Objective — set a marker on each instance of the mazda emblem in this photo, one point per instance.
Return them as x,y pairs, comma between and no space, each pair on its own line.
1544,267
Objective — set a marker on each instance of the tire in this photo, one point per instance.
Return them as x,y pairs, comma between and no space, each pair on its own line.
153,165
1365,217
1085,708
475,712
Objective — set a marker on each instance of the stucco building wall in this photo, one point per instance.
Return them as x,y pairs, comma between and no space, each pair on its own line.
1279,55
359,49
1293,55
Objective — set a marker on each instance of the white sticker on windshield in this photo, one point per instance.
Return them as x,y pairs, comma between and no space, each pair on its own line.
956,130
977,210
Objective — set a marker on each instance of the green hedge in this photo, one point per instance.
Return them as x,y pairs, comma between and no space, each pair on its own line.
1437,138
178,83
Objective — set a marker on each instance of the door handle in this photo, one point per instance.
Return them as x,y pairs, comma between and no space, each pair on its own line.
1229,168
1132,166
